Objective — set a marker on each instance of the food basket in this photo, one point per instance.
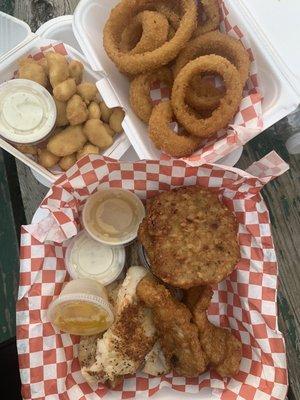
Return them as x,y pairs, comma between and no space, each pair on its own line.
245,302
273,87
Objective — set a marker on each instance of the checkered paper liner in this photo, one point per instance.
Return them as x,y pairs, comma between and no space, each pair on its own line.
247,123
245,302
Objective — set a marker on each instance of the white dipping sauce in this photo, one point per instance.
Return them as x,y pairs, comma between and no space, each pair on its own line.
27,111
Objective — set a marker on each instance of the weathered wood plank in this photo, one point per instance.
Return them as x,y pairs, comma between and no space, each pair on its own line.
36,12
9,259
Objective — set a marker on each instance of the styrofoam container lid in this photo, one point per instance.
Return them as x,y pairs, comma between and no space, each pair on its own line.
276,24
87,258
12,32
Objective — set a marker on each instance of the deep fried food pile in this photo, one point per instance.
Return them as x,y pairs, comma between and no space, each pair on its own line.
177,335
190,237
176,44
222,349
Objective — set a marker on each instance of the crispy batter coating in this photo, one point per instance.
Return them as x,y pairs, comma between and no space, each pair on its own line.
203,95
178,336
140,88
193,237
134,64
219,44
164,137
221,116
222,348
146,31
212,17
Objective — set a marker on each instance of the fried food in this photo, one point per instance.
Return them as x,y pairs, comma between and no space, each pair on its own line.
67,162
178,337
67,142
146,31
94,110
97,134
43,63
123,348
65,90
87,149
191,237
58,68
164,138
88,91
61,113
140,88
77,112
46,158
76,69
134,64
105,111
219,44
203,95
116,119
223,350
211,11
27,149
221,117
32,70
155,362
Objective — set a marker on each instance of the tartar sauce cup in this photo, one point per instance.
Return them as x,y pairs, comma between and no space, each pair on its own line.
88,258
112,216
28,111
82,308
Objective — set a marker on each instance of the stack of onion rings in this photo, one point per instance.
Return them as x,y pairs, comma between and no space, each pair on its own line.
228,106
142,37
134,64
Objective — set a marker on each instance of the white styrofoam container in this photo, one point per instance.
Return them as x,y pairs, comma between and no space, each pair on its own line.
59,29
269,26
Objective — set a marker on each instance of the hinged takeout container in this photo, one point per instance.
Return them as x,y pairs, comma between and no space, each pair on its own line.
270,26
17,41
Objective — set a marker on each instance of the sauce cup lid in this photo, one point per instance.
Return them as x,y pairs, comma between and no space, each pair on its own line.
88,258
112,216
27,111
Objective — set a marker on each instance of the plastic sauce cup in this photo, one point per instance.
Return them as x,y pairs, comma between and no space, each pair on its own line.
113,216
82,308
87,258
27,111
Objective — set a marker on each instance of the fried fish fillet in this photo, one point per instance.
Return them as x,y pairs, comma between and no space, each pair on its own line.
190,237
223,350
124,346
178,337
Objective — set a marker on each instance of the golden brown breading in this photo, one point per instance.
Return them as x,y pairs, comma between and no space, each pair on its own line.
178,336
222,348
193,237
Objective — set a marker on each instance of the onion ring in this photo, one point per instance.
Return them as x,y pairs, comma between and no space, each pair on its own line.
164,138
140,87
213,18
151,27
203,96
221,116
216,43
138,63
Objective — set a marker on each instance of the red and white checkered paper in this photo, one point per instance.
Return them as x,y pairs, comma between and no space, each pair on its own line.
245,302
247,123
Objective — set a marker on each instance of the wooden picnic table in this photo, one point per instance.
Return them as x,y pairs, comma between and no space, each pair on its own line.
21,194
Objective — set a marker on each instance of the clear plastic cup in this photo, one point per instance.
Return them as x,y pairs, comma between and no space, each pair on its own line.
87,258
82,308
28,111
113,216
